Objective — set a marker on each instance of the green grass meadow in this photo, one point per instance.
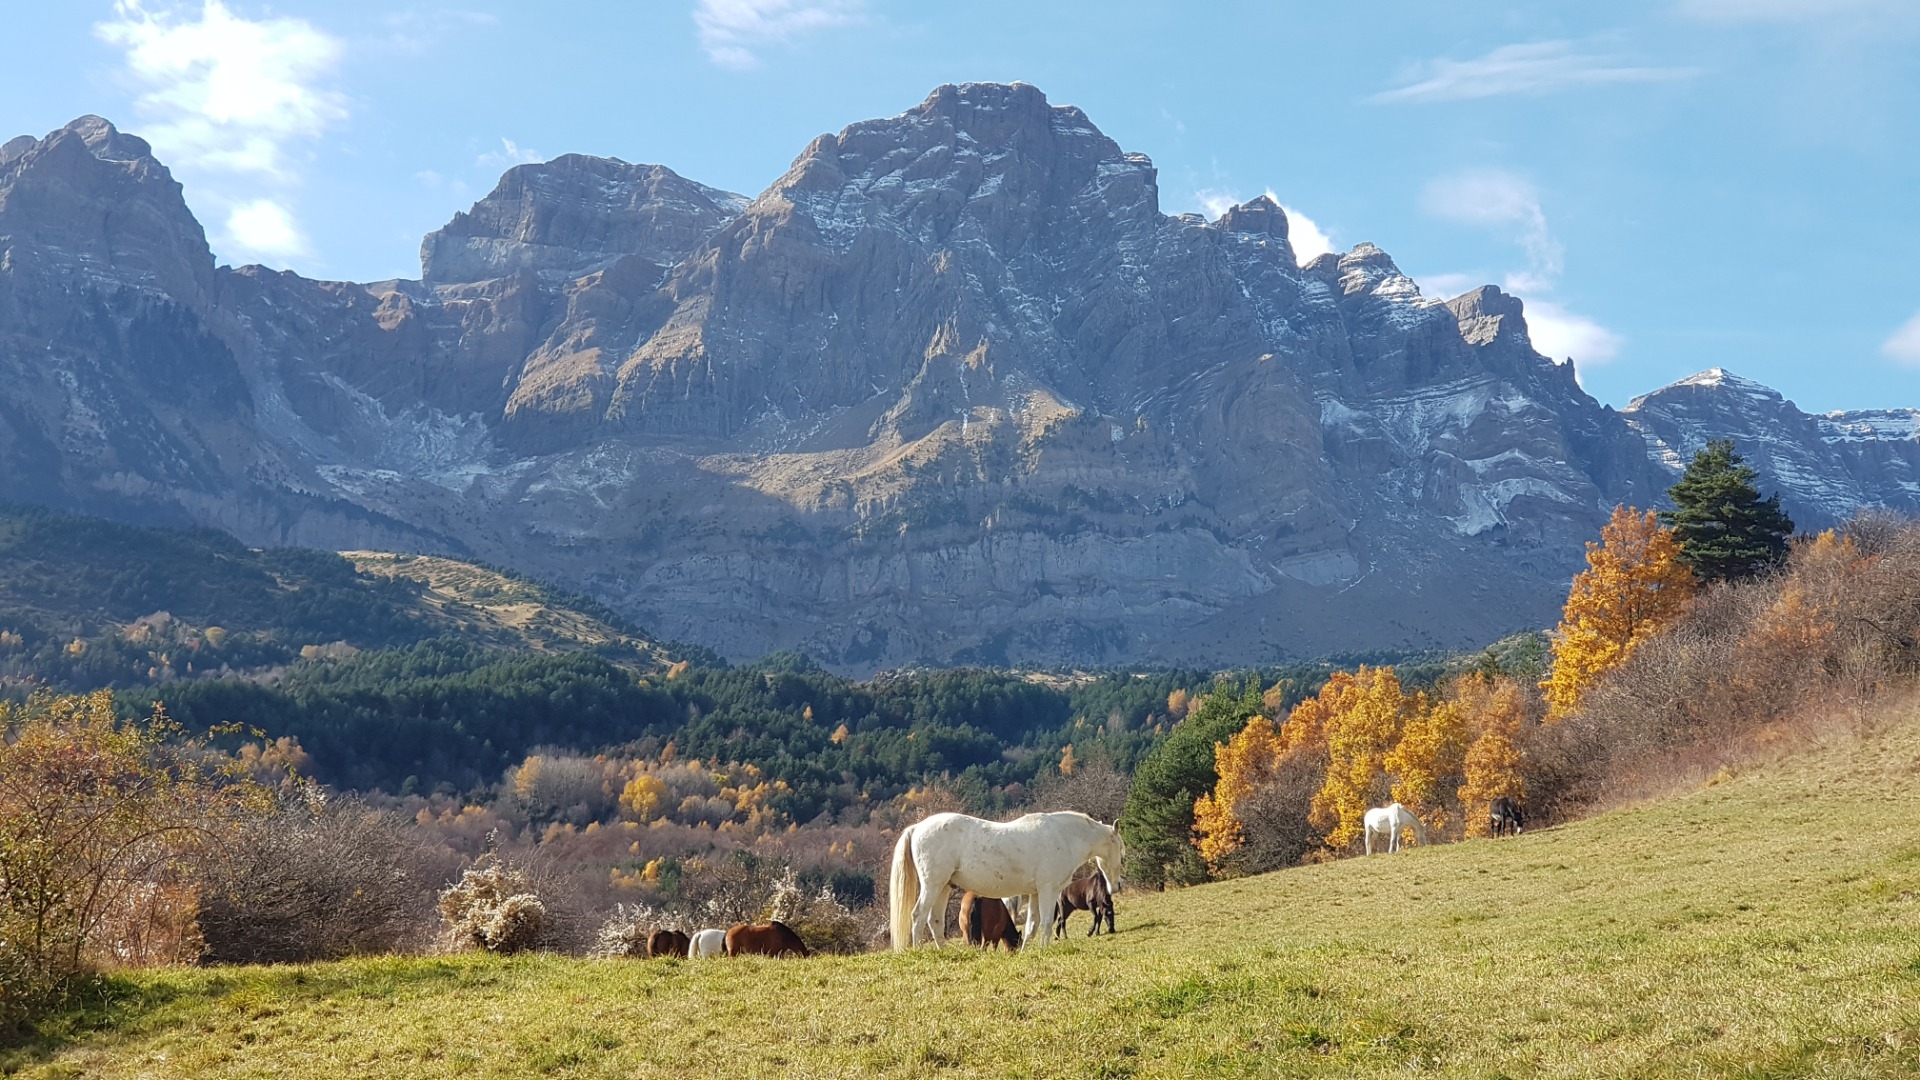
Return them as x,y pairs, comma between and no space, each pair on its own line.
1766,926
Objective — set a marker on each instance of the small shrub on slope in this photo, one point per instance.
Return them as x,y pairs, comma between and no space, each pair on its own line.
493,906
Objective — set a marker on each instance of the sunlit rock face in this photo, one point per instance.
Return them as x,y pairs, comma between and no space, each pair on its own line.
953,389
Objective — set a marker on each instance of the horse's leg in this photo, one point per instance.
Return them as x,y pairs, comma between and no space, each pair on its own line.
1368,830
938,925
923,908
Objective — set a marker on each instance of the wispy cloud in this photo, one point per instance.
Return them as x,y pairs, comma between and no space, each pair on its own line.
1541,67
510,154
225,92
735,32
1793,10
1509,205
1903,348
1503,201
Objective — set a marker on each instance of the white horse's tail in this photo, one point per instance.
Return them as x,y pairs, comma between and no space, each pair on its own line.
903,891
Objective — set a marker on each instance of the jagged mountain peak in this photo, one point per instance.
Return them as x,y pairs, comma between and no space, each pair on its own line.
574,214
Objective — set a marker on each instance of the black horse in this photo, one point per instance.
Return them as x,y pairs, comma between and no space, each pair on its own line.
1086,894
1504,817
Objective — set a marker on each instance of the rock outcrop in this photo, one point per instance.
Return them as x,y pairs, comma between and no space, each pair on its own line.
952,389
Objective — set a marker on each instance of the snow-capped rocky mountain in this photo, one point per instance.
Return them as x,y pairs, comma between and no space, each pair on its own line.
952,389
1826,468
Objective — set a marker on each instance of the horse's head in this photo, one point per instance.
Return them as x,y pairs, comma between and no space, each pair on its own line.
1110,853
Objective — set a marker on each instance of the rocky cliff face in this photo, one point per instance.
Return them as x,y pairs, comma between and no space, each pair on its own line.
952,389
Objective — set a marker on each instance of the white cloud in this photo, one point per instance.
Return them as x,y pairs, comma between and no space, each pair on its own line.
1903,347
1537,68
733,32
509,155
1309,240
223,92
1565,336
265,228
1504,201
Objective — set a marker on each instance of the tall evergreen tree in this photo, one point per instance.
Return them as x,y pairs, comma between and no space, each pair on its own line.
1725,529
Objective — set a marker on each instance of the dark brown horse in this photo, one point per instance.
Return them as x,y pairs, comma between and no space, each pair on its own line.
1087,894
666,943
986,922
765,939
1505,818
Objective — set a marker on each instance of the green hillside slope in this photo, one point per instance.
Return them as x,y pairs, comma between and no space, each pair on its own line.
1766,926
86,603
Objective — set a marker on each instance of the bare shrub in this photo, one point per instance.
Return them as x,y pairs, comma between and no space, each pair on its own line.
1273,819
625,932
319,878
821,920
1095,788
493,906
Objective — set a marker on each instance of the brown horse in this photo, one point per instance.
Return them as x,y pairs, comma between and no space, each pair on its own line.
986,922
667,943
765,939
1087,894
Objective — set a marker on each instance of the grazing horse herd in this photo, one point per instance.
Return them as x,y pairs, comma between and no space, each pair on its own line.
1006,870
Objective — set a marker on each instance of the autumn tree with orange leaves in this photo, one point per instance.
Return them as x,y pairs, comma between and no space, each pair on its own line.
1246,762
1635,584
1362,718
1491,767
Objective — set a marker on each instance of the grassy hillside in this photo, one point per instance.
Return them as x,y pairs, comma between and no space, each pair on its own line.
1765,926
86,603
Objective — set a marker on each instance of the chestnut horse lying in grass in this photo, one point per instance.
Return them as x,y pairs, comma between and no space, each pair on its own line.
1093,894
986,922
765,939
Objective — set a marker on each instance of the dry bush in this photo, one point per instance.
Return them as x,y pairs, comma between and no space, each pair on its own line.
1835,627
1094,788
319,878
493,906
1273,819
821,920
625,932
735,889
104,827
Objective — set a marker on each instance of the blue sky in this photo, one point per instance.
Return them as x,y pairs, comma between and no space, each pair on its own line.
1672,185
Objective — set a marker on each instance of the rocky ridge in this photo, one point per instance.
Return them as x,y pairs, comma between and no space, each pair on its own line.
952,389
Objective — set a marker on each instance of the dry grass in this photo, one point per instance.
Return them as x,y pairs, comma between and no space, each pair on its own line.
1764,926
489,604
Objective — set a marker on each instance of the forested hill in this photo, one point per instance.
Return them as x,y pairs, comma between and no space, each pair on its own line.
86,603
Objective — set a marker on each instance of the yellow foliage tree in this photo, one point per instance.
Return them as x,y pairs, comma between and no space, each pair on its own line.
1244,763
1178,703
1495,708
1066,761
1361,726
644,797
1634,585
1432,747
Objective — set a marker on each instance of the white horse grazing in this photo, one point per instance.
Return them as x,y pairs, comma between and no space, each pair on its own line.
1393,822
707,943
1031,857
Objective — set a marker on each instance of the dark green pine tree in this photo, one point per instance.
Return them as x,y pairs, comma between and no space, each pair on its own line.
1725,529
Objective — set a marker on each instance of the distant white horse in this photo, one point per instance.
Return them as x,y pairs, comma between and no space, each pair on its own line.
706,943
1031,857
1393,822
